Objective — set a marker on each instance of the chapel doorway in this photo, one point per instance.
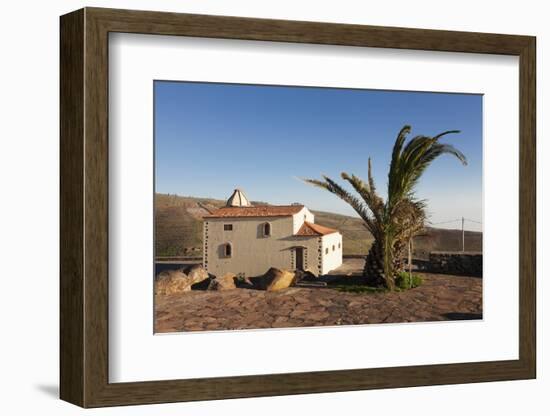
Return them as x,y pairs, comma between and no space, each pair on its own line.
299,258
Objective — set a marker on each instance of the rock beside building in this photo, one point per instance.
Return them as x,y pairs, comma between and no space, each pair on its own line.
197,273
275,279
195,277
171,282
305,276
225,282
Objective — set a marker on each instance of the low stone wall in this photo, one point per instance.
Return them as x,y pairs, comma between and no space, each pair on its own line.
465,264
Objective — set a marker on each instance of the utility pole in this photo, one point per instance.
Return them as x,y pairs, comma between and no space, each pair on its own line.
463,234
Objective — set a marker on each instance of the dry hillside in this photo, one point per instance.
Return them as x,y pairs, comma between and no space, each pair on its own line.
178,229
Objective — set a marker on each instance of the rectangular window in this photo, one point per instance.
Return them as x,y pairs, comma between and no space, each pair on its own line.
228,227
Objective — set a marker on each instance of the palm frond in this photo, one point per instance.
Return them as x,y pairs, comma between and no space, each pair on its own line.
331,186
372,200
398,145
440,135
371,179
411,163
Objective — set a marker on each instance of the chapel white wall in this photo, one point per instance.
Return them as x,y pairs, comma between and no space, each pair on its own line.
299,218
332,259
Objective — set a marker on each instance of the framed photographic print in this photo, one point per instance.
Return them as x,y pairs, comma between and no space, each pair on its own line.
255,207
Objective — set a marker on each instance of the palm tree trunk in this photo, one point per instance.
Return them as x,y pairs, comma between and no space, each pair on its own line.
390,262
374,265
374,270
410,263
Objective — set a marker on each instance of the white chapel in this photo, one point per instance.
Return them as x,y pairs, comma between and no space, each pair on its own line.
248,239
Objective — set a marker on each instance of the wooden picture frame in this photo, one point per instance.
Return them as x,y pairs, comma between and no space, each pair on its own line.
84,207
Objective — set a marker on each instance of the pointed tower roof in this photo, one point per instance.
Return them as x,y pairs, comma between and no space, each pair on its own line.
238,199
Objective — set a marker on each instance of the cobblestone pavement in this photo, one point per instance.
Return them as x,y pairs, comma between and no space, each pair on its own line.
440,297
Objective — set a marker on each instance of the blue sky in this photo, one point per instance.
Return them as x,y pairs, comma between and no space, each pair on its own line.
211,138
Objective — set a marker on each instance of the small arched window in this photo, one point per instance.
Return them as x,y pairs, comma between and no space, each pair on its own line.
267,229
228,250
333,247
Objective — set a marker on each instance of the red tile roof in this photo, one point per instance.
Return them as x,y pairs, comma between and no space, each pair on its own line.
310,229
256,211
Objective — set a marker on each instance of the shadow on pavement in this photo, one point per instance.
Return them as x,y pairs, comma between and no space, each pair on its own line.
462,316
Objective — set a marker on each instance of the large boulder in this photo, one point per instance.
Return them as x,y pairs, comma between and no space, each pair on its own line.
305,276
275,279
225,282
196,272
170,282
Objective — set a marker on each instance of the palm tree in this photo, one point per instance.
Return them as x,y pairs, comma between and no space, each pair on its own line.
396,220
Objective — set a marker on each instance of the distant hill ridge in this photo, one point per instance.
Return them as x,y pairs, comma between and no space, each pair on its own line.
178,229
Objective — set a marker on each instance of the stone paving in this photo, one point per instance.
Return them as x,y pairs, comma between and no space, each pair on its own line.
440,297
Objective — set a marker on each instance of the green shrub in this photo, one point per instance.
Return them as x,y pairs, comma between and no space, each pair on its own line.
403,281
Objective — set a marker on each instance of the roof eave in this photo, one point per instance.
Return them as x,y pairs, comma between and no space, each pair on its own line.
248,216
